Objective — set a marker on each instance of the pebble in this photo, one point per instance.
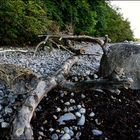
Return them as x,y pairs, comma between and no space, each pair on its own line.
78,134
72,101
51,129
65,137
8,110
4,125
97,132
55,117
82,110
57,130
88,72
81,120
71,133
79,106
40,137
72,94
75,128
78,114
66,130
95,76
1,120
67,103
54,136
41,133
62,132
138,101
58,109
66,117
45,122
83,96
0,107
97,122
75,79
92,114
65,109
71,109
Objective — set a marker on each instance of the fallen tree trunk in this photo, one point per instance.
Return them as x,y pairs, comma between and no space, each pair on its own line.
106,84
21,128
102,41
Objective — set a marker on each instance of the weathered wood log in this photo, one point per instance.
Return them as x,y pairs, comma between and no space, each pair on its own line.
122,56
101,41
21,128
106,84
85,38
11,50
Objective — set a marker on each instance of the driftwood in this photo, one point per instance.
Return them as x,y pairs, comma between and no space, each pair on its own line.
97,84
102,41
112,82
21,128
10,50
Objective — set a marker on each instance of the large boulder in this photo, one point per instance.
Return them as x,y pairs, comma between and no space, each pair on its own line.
123,56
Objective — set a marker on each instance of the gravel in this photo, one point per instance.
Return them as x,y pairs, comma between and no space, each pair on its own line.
97,114
47,63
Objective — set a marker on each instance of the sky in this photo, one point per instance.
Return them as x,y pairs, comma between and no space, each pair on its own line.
130,10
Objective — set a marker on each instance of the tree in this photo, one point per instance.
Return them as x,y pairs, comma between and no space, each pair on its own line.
20,20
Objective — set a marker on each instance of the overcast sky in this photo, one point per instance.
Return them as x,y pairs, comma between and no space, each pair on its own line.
130,10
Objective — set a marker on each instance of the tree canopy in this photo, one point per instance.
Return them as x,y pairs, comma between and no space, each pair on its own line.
22,20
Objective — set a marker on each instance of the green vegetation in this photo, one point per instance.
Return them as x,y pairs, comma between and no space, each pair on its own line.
22,20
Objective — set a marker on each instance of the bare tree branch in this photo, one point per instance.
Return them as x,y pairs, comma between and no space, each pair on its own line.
21,125
84,38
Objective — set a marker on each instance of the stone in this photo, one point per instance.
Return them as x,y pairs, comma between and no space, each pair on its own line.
58,109
78,134
8,110
78,114
81,120
82,110
88,72
1,120
124,59
65,137
66,117
0,107
54,136
83,96
72,94
51,129
92,114
66,130
71,109
97,132
71,133
67,103
72,101
79,106
4,125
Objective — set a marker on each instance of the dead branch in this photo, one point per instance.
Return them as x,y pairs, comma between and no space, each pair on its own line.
9,50
96,84
80,38
21,128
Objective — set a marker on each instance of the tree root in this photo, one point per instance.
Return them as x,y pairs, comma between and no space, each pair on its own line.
101,41
21,128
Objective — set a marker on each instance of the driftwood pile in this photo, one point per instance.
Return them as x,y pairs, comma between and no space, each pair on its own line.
114,80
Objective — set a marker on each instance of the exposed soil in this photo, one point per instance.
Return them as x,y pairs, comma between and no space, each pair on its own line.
117,116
